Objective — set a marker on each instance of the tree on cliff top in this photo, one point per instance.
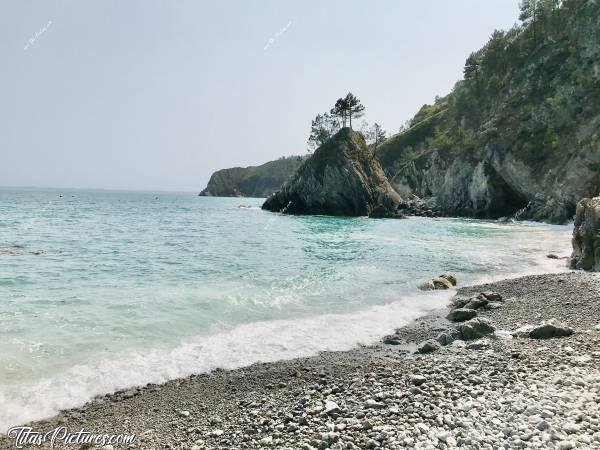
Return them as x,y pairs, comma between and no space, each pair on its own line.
340,110
322,128
348,107
355,108
374,136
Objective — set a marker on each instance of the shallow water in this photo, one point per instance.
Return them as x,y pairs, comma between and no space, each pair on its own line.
132,288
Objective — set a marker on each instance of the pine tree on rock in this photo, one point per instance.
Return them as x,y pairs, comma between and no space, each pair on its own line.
355,108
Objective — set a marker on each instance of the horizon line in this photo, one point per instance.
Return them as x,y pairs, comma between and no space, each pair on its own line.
89,189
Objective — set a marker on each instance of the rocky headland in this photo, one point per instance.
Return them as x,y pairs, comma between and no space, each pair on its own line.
508,388
341,178
254,181
517,137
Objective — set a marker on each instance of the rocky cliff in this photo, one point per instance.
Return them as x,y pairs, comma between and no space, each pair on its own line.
341,178
586,236
254,181
520,135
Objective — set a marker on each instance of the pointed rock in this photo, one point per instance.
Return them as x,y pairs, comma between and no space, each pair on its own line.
341,178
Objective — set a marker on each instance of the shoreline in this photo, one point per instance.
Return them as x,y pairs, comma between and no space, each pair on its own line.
277,404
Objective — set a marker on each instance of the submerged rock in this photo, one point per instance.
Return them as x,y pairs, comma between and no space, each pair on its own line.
341,178
586,235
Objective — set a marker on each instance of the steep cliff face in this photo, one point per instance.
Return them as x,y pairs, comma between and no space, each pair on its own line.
254,181
586,236
521,135
341,178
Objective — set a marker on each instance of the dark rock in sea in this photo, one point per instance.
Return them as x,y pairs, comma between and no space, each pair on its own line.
550,329
428,346
19,251
586,235
380,212
418,207
475,329
461,315
341,178
553,256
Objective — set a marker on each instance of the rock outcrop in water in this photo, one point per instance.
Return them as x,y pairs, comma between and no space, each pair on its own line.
341,178
586,235
253,181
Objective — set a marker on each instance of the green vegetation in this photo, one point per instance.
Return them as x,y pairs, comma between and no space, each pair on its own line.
323,127
253,181
519,135
529,88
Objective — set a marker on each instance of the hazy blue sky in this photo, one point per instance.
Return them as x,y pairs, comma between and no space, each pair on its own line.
158,94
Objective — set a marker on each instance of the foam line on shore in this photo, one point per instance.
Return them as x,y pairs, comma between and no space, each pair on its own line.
241,346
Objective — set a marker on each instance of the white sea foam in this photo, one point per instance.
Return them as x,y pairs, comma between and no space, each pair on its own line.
241,346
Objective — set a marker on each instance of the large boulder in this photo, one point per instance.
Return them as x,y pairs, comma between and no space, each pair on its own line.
550,329
341,178
461,315
475,328
586,235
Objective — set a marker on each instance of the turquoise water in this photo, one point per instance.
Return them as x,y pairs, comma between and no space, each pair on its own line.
132,288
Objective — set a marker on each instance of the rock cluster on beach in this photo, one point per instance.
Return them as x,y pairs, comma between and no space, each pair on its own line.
341,178
586,235
492,392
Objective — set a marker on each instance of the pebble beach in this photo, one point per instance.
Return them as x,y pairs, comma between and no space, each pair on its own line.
495,392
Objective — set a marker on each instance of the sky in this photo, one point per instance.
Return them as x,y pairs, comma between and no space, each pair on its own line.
157,95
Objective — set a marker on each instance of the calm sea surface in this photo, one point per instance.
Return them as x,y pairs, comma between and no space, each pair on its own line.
131,288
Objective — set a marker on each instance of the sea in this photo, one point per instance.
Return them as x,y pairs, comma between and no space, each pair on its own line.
103,290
